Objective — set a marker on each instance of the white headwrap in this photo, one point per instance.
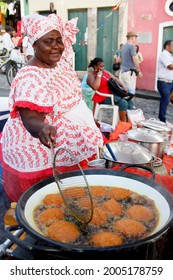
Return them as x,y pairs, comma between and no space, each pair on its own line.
36,26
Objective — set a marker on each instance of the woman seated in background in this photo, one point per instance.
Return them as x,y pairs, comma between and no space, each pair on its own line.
98,80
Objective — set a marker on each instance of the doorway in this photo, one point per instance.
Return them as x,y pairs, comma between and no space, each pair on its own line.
80,48
107,35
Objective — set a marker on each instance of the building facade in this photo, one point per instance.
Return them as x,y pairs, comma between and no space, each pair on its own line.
153,21
103,27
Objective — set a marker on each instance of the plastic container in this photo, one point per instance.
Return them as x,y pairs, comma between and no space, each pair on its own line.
87,93
107,114
10,220
10,217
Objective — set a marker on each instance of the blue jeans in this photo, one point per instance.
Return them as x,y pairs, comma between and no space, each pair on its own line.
165,90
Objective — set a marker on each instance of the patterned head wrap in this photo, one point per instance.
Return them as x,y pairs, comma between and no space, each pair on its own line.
36,26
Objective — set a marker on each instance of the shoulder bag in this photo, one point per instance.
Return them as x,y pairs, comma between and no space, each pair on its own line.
116,66
115,89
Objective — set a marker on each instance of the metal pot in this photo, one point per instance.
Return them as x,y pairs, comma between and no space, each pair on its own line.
150,139
158,126
126,152
32,197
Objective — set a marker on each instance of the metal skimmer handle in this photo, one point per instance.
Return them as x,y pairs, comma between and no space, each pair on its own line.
82,216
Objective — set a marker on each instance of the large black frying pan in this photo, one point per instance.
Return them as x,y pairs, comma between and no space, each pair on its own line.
33,196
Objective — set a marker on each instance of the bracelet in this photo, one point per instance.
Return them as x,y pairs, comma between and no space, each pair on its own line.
99,76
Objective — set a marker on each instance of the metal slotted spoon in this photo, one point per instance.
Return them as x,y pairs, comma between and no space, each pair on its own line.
74,190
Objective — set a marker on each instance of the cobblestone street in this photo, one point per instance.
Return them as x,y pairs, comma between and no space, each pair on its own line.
151,108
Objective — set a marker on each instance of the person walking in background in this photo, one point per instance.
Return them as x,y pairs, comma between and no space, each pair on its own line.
117,53
138,54
27,48
15,38
98,80
165,78
130,68
7,41
11,17
117,59
1,39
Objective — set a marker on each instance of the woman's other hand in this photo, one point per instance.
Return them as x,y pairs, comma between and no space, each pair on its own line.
125,89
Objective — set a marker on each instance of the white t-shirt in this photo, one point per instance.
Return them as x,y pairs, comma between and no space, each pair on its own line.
11,8
165,59
7,42
26,44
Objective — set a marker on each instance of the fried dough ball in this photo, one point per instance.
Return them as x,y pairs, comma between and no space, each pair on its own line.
85,202
53,199
119,193
105,238
63,231
98,191
112,207
49,216
99,217
130,228
75,192
140,213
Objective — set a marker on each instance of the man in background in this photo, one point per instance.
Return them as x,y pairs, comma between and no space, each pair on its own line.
165,78
7,41
117,53
117,59
130,68
1,39
27,48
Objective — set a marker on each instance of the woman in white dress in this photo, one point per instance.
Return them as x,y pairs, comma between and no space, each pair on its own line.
46,105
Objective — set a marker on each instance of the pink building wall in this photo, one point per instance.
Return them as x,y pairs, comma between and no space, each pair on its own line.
144,16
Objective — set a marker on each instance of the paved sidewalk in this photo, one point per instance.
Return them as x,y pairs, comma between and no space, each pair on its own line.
153,95
150,108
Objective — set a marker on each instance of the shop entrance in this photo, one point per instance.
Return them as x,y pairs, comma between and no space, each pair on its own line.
167,33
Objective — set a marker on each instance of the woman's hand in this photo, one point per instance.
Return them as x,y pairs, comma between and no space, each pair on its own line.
94,80
99,74
125,89
47,134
